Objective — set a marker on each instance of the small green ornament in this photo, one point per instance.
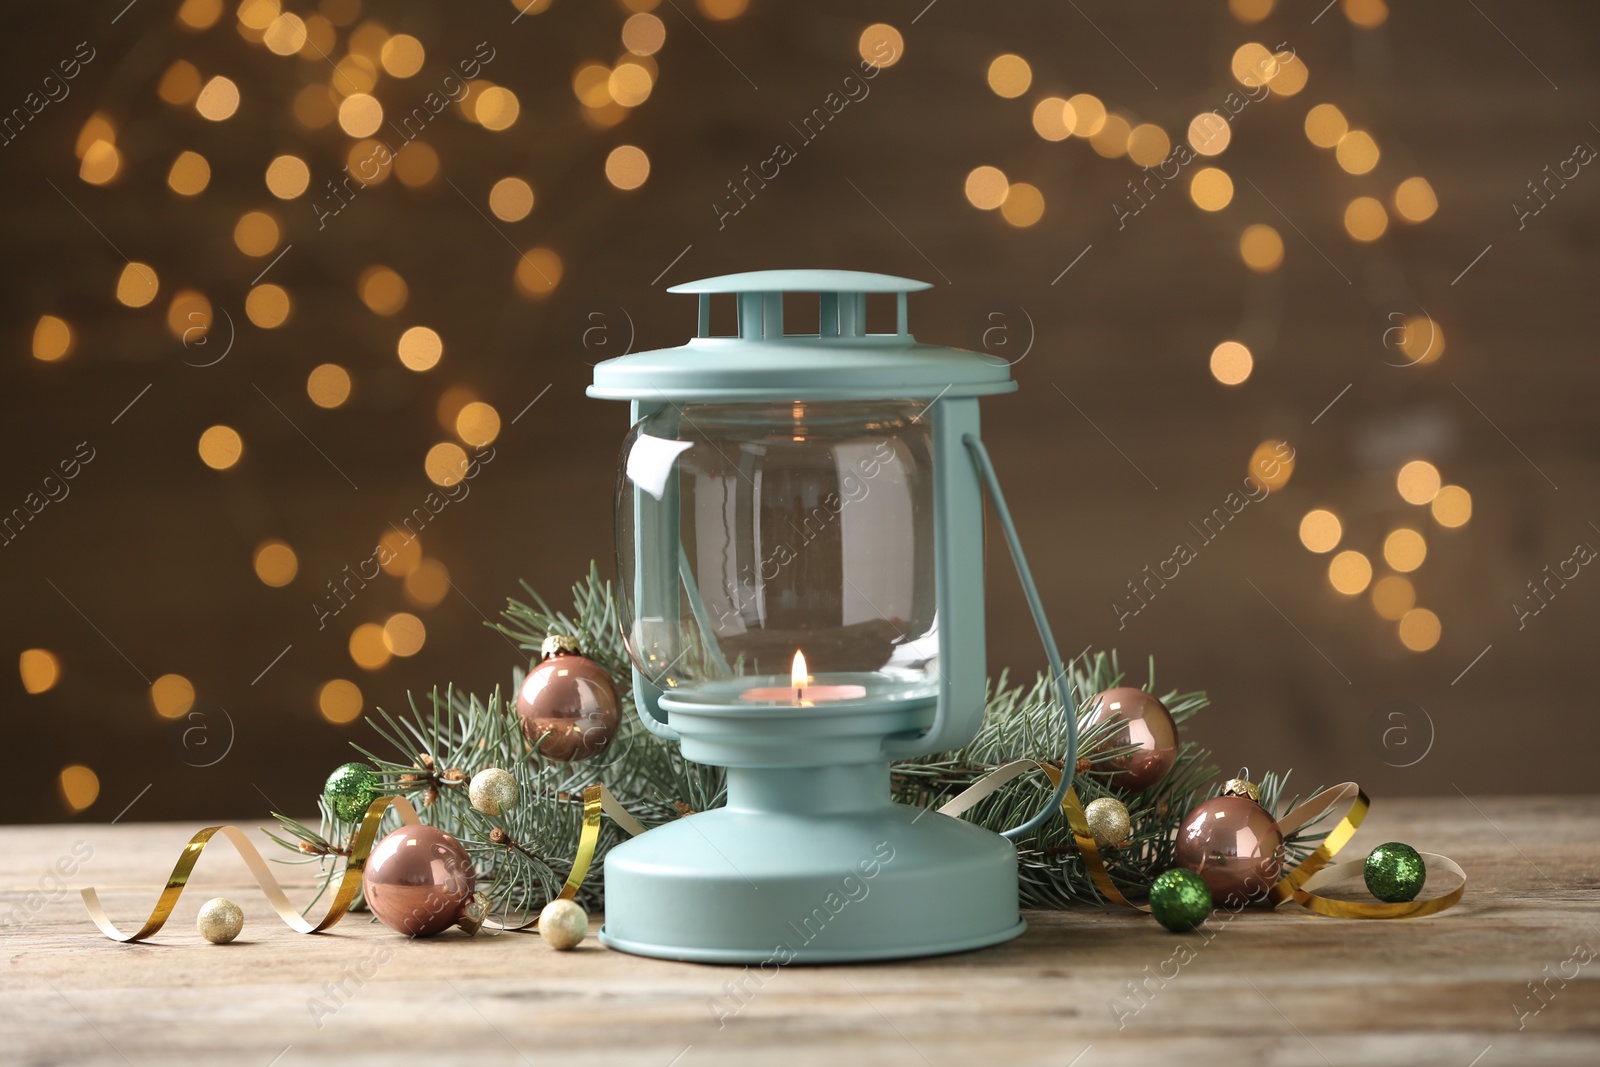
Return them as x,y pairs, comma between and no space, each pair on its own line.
1180,900
351,789
1395,872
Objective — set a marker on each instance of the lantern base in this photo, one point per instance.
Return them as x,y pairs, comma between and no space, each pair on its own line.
745,886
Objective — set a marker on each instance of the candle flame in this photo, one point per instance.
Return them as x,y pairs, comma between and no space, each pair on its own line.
798,674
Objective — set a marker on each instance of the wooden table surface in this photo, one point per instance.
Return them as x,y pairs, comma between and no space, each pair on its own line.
1268,988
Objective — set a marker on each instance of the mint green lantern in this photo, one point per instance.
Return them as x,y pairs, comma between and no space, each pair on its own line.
800,551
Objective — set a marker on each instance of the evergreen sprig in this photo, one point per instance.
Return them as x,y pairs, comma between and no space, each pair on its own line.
524,855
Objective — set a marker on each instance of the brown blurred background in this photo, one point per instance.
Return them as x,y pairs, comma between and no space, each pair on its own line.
168,554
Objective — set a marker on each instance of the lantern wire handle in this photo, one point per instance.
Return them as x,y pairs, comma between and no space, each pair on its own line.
1060,680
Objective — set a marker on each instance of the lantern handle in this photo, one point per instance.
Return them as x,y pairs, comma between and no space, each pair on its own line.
1060,681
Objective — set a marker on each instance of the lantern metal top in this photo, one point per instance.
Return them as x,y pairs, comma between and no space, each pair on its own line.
840,361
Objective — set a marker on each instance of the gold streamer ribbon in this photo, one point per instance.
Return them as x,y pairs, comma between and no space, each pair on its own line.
1311,873
349,883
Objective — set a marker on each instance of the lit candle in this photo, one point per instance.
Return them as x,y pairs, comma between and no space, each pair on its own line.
800,692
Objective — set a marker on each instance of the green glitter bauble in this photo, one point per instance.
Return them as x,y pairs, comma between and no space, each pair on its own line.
351,789
1180,900
1395,872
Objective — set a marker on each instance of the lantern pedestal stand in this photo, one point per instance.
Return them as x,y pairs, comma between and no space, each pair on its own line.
810,862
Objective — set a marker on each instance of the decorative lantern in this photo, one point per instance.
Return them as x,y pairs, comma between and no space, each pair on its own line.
799,548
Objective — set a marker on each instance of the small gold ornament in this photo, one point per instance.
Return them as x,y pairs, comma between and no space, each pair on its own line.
219,921
493,791
1242,786
563,924
1108,821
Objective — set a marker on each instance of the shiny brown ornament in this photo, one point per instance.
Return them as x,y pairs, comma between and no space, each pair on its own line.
1235,845
568,704
1143,721
419,881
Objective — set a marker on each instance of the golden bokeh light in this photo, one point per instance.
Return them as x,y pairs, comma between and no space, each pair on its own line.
1009,75
382,290
451,401
190,174
96,128
722,9
1209,133
80,787
1053,119
629,84
1393,596
1404,550
402,55
1357,152
497,107
339,700
189,315
1350,572
1271,465
52,339
137,285
399,554
1261,248
179,84
1414,200
986,187
1089,114
1421,339
220,447
591,84
218,99
1249,12
367,648
1326,125
1418,482
1253,65
1290,74
360,115
275,563
100,163
267,306
511,199
199,14
1023,205
286,35
404,634
1419,629
259,14
627,166
256,233
321,38
538,272
1452,506
1231,363
881,45
367,41
477,423
644,34
1211,189
1365,219
429,584
1111,139
315,106
287,177
419,348
1321,530
40,670
1366,13
172,695
344,12
1148,144
446,463
328,385
353,75
416,164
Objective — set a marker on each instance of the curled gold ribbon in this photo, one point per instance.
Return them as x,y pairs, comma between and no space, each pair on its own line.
1297,884
349,883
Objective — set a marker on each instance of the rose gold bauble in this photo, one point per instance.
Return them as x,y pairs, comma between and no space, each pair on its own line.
418,880
568,704
1144,721
1233,843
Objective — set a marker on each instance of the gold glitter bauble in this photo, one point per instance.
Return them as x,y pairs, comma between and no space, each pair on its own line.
563,924
493,791
1108,821
219,921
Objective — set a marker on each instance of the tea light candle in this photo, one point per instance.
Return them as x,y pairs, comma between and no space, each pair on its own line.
801,692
